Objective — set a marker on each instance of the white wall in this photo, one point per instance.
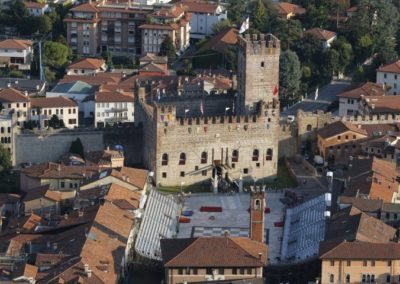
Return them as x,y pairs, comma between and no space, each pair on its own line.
108,111
68,114
391,81
348,106
202,24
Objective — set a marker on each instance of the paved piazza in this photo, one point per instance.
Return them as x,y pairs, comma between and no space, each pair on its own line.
233,218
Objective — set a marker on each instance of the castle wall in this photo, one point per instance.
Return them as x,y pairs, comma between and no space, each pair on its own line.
50,146
195,136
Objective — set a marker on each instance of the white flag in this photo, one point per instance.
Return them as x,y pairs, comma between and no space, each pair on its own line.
227,108
316,94
245,26
201,108
158,94
186,110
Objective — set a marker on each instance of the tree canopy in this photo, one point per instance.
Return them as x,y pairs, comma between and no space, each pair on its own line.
289,76
5,159
55,122
77,148
55,54
167,48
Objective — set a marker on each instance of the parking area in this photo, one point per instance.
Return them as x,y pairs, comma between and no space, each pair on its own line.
234,218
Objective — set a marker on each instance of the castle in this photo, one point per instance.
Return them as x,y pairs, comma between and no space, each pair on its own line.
192,139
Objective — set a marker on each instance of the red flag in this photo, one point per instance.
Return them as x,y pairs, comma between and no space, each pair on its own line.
275,90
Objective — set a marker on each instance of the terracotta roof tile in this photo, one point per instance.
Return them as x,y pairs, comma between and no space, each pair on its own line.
87,7
285,8
87,63
34,5
52,170
222,40
114,97
393,67
383,104
364,250
52,102
365,205
366,89
200,7
15,44
116,193
339,127
12,95
321,33
137,177
213,252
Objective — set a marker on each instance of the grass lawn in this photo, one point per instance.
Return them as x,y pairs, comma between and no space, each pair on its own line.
9,183
198,188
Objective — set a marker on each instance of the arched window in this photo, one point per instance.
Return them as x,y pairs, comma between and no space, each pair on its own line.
164,160
256,154
268,157
257,204
235,156
204,158
348,278
309,127
331,278
182,159
368,278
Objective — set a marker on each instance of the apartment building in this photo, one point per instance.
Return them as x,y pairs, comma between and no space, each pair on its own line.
204,16
6,130
36,9
94,28
113,107
42,110
15,101
389,77
171,21
16,53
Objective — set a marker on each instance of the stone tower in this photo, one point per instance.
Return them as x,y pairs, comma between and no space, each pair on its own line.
257,206
258,71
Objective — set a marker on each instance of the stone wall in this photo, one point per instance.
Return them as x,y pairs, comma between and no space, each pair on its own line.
44,146
218,137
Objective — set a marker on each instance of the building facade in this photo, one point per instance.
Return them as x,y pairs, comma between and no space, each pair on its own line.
389,77
16,53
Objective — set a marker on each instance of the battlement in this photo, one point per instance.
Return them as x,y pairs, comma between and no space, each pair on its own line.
371,119
259,44
267,111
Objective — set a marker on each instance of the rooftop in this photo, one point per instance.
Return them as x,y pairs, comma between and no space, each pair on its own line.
393,67
11,95
52,102
87,63
321,33
15,44
365,89
339,127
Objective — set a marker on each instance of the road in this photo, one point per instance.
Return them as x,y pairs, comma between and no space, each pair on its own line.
326,95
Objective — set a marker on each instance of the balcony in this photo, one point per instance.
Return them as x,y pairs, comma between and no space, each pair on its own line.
116,109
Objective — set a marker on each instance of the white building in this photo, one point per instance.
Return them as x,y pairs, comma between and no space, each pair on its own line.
204,17
42,109
15,101
16,53
113,107
87,66
349,101
389,77
6,131
36,9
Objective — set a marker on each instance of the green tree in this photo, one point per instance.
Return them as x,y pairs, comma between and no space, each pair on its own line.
55,122
221,26
289,32
236,10
187,66
77,148
55,54
345,50
167,48
49,75
363,48
289,76
30,124
259,16
16,74
331,59
44,24
5,159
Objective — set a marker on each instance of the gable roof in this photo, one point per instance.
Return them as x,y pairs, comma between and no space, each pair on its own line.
151,57
213,252
15,44
113,97
285,8
201,7
365,89
339,127
52,170
321,33
393,67
363,250
222,40
87,63
73,87
11,95
34,5
383,104
50,102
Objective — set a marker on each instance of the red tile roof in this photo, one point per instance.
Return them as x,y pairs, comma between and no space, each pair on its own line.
364,250
338,127
52,170
321,33
222,40
12,95
383,104
365,89
114,97
87,7
87,63
201,7
213,252
15,44
393,67
52,102
34,5
285,8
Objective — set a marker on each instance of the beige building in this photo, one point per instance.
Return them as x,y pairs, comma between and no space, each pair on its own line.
361,262
43,109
